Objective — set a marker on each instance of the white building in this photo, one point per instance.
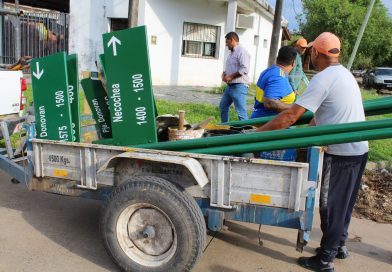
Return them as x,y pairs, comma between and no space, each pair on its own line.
186,37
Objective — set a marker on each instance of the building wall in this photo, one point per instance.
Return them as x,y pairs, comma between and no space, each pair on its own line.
168,66
164,20
261,49
87,23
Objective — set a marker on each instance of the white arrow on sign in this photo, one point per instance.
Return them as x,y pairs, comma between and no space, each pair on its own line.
114,41
39,73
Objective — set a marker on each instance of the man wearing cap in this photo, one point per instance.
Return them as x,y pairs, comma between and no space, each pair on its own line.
236,77
334,97
297,74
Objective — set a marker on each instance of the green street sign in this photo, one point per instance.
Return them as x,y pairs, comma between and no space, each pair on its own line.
99,104
73,93
128,80
51,101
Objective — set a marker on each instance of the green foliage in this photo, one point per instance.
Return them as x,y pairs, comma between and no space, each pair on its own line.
29,95
294,39
344,18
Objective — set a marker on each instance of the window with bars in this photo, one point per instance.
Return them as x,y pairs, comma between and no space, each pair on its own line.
200,40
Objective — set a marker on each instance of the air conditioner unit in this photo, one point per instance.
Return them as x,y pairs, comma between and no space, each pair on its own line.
245,21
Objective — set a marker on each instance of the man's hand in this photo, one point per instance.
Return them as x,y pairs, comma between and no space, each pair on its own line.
227,79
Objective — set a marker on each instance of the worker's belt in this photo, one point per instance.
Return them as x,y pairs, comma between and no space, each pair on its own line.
232,84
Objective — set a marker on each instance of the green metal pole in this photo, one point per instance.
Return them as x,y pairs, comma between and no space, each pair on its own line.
374,104
269,135
323,140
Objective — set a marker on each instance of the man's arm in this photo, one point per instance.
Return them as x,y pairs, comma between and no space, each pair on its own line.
285,119
275,105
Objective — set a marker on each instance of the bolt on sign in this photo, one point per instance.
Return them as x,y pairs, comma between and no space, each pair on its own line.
51,100
99,104
73,92
128,78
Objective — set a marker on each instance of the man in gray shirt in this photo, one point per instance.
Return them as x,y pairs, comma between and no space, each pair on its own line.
236,77
334,97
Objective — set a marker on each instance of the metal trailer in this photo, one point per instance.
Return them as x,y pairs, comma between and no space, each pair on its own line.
158,204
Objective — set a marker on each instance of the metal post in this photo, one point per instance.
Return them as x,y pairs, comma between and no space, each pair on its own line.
276,32
231,15
18,37
7,140
133,13
361,31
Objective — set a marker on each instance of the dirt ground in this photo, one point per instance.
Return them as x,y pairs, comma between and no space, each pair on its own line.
43,232
375,196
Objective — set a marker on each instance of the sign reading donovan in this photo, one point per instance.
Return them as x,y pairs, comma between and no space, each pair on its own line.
51,100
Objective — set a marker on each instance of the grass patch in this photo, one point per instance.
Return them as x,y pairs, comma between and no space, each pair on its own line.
379,150
217,90
194,113
370,94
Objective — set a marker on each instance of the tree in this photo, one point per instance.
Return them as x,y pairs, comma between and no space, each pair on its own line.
344,18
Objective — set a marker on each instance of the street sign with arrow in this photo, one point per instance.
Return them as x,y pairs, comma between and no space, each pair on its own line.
113,43
128,79
51,99
38,73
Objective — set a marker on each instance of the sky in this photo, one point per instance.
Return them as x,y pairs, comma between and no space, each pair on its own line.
293,7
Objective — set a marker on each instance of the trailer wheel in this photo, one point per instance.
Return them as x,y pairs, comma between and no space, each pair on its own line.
150,224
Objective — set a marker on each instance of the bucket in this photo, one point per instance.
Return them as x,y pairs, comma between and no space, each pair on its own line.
175,134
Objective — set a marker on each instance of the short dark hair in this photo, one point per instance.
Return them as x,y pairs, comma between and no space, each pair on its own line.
286,55
232,35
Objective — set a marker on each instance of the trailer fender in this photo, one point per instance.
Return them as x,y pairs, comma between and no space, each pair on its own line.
191,164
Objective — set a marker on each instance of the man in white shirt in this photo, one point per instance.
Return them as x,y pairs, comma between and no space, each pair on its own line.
334,97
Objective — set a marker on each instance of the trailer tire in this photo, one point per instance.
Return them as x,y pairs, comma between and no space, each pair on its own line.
150,224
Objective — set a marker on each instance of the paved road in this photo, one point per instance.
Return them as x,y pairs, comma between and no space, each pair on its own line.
187,94
41,232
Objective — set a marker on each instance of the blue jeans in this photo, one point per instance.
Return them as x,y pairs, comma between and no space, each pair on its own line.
234,93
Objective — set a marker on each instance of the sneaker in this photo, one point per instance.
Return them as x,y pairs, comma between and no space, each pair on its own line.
315,264
342,252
